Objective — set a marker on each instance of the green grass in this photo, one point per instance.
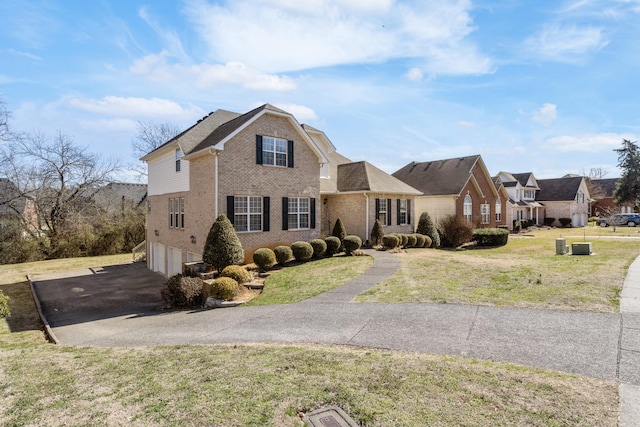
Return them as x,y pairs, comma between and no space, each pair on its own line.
297,283
525,272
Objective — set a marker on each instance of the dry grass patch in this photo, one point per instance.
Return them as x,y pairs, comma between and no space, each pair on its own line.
526,273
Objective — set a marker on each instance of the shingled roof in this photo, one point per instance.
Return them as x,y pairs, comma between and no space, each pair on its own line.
364,177
440,177
608,185
558,189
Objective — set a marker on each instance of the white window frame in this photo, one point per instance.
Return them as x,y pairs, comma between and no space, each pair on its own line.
485,213
247,213
383,211
176,213
299,213
274,151
529,194
498,210
403,212
467,208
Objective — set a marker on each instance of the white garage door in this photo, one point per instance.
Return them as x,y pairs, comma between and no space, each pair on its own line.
157,257
175,261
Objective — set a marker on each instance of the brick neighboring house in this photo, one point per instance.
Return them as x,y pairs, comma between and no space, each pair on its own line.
601,191
261,169
460,186
522,204
566,197
15,206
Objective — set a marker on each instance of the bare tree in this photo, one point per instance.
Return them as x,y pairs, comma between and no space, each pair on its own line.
59,176
151,135
4,121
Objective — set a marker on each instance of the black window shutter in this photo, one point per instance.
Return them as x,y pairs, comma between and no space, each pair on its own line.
265,213
378,209
389,212
290,154
398,211
408,211
230,208
285,213
312,214
258,149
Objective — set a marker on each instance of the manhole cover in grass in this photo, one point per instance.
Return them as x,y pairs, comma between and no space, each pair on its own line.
331,416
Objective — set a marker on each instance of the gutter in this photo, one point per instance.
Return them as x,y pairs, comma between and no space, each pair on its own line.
216,190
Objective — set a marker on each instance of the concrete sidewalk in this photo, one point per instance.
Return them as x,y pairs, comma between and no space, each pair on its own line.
601,345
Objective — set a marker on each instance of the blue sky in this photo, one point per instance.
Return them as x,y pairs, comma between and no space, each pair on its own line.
546,86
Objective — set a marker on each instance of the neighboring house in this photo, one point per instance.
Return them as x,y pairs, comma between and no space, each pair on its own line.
119,196
522,204
566,197
601,191
502,202
261,169
15,206
460,186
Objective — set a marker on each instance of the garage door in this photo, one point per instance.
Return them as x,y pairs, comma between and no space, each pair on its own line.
175,261
157,257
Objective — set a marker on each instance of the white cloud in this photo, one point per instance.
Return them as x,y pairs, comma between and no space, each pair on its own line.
565,44
135,107
414,74
25,54
337,32
156,68
466,124
546,114
300,112
590,142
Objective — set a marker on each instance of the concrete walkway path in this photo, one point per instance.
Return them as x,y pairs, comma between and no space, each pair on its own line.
600,345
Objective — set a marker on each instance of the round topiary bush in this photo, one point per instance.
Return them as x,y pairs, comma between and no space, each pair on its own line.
404,241
237,273
351,243
283,254
427,242
390,241
319,247
420,240
264,258
411,240
182,292
224,288
333,245
302,251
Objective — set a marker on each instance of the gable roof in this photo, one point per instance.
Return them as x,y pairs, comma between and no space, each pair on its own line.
559,189
524,178
440,177
607,185
364,177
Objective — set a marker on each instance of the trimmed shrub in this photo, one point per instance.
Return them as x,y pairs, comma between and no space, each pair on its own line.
491,236
182,292
4,306
222,247
283,254
565,222
428,228
351,244
390,241
319,247
302,251
517,226
421,240
333,245
264,258
224,288
411,240
377,232
237,273
339,231
455,231
427,242
403,240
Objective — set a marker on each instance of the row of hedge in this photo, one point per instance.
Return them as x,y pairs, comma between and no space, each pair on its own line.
399,240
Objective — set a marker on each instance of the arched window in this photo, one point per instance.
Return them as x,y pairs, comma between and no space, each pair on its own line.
467,209
498,210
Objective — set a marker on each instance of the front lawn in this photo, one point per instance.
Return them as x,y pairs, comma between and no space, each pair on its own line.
526,273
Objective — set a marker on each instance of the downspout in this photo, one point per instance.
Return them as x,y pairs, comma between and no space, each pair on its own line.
215,185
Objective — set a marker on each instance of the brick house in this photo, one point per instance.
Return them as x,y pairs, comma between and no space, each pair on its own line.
601,191
566,197
460,186
521,204
261,169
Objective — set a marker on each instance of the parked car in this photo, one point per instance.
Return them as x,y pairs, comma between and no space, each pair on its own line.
630,220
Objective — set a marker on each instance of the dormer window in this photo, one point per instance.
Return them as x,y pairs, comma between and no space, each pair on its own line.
178,156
